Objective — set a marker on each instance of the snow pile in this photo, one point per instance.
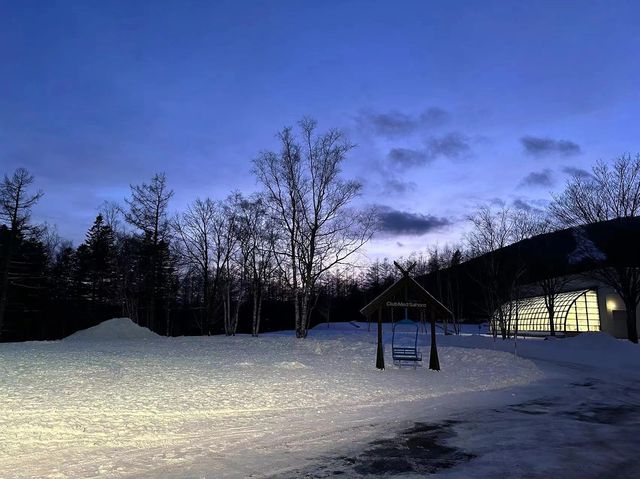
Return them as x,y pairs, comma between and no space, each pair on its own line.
599,350
595,350
113,329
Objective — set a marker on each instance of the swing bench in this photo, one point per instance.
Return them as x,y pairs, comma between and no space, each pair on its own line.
404,343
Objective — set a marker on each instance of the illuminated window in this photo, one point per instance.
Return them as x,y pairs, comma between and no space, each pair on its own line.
574,311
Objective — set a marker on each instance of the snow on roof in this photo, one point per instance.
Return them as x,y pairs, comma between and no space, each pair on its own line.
117,328
585,249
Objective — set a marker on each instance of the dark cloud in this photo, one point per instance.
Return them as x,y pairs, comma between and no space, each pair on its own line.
538,178
391,124
531,206
394,185
451,145
522,205
394,221
407,158
574,171
434,117
538,146
394,124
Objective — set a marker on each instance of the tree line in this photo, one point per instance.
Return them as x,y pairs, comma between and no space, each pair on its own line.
214,267
283,256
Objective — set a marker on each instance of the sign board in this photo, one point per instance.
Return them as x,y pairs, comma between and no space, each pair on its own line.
406,304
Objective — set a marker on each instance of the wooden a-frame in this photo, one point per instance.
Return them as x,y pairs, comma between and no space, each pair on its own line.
408,293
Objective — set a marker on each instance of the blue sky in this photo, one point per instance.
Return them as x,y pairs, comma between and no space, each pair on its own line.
451,104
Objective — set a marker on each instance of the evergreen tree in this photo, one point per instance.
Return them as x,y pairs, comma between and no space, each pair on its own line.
97,265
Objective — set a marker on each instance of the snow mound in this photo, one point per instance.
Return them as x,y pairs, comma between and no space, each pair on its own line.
113,329
598,350
595,339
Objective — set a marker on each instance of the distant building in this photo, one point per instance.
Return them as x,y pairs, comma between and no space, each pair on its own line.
581,306
571,264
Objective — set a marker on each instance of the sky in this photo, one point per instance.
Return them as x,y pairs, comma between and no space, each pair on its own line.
451,104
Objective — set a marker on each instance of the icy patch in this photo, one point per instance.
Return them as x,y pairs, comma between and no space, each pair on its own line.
113,329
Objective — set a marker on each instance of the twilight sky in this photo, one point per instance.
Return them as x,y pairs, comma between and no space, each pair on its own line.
451,104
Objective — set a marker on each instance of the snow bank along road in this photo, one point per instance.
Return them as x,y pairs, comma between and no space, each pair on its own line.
96,405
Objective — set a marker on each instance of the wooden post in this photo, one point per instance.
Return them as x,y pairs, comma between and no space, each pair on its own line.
380,351
434,362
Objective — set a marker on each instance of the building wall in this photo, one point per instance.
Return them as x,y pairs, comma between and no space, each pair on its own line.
613,315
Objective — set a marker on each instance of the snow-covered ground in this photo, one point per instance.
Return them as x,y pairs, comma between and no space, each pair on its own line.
97,405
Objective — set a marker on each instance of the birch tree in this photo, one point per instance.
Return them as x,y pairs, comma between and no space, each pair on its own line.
310,202
257,238
195,232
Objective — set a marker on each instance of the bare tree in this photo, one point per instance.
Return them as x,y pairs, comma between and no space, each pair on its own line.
148,208
207,236
551,286
51,240
111,212
147,211
257,237
496,275
311,205
228,270
194,230
15,211
625,281
491,230
553,279
527,224
611,191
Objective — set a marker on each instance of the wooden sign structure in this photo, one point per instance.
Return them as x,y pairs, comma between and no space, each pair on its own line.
409,294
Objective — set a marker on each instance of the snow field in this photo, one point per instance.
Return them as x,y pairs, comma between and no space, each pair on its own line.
164,406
